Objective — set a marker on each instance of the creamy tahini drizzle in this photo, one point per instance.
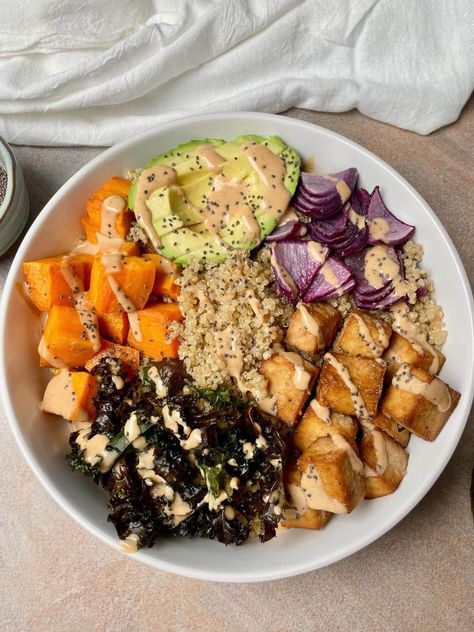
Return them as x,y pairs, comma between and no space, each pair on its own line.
226,202
301,376
151,179
316,494
376,347
341,185
50,358
211,159
282,273
60,397
407,329
110,208
381,455
356,219
379,229
87,317
379,268
312,485
316,251
434,391
360,409
271,171
310,323
323,412
329,275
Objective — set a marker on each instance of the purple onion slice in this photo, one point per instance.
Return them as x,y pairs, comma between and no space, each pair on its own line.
384,227
291,229
295,264
331,279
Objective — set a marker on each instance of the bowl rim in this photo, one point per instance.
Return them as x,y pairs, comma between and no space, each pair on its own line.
207,574
10,166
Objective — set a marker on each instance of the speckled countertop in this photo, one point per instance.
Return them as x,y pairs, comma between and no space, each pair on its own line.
54,576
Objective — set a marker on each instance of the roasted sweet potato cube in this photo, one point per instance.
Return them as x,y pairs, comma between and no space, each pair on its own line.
290,383
92,223
312,427
166,273
390,427
313,327
348,384
332,475
363,335
299,515
401,350
66,340
153,325
48,281
70,394
114,327
419,401
132,284
128,357
385,463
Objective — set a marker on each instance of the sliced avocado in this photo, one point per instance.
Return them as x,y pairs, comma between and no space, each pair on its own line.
182,153
174,219
170,210
186,244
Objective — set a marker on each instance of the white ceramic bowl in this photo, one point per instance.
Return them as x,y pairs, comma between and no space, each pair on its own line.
15,205
43,439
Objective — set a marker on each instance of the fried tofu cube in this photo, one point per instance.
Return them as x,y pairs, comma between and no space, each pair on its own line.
385,463
318,421
401,350
363,335
390,427
419,401
312,327
332,475
351,385
290,380
299,515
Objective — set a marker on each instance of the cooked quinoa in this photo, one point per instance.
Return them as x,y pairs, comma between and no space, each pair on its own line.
235,296
424,312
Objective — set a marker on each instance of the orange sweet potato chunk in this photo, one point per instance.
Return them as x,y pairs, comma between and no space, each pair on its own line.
129,357
165,276
135,280
154,325
114,186
70,394
65,338
114,327
46,282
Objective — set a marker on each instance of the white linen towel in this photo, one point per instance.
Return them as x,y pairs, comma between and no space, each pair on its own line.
97,71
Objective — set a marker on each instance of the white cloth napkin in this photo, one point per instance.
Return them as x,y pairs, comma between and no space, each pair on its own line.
96,71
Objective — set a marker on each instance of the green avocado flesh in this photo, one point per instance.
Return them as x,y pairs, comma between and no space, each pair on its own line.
176,208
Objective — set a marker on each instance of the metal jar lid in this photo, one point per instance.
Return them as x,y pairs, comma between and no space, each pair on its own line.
15,205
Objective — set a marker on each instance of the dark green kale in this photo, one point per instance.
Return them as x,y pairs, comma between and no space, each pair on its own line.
230,482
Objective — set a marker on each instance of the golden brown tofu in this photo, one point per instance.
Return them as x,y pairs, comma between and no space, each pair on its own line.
290,380
351,385
299,515
363,335
390,427
313,327
318,422
419,401
402,350
385,463
332,475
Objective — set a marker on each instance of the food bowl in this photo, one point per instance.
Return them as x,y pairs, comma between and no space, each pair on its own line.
15,205
43,439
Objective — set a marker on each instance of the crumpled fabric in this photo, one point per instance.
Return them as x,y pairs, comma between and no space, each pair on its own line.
95,72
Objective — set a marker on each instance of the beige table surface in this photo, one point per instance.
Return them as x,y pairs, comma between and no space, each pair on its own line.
54,576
